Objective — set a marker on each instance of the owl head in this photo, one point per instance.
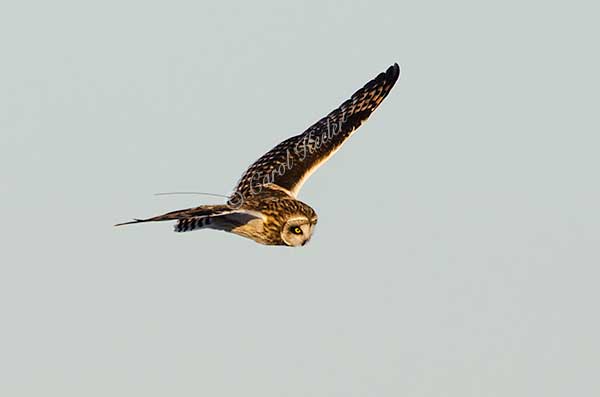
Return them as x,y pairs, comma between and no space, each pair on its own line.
298,230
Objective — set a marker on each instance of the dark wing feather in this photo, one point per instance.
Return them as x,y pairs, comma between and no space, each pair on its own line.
202,211
291,162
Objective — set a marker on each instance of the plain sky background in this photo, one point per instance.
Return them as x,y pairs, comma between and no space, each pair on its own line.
457,251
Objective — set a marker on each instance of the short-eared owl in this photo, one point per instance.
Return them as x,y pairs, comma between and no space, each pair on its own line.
263,206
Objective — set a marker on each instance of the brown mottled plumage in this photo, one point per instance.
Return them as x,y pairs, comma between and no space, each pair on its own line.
263,206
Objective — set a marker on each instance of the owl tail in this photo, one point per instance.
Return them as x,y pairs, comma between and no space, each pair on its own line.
202,211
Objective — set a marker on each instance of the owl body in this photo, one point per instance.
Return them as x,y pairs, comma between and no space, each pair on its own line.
263,206
284,220
269,217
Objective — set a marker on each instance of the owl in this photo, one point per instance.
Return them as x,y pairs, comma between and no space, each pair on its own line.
263,206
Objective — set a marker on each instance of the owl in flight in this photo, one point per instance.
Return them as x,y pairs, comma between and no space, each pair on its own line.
263,206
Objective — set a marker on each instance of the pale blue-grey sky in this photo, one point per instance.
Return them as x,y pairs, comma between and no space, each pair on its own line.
457,249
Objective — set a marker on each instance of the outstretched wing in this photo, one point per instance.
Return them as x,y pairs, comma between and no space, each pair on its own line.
194,218
203,210
290,163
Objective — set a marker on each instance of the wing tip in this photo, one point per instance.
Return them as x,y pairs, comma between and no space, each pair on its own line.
387,78
393,72
130,222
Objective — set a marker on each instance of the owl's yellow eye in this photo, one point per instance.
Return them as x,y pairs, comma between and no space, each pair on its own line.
297,230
